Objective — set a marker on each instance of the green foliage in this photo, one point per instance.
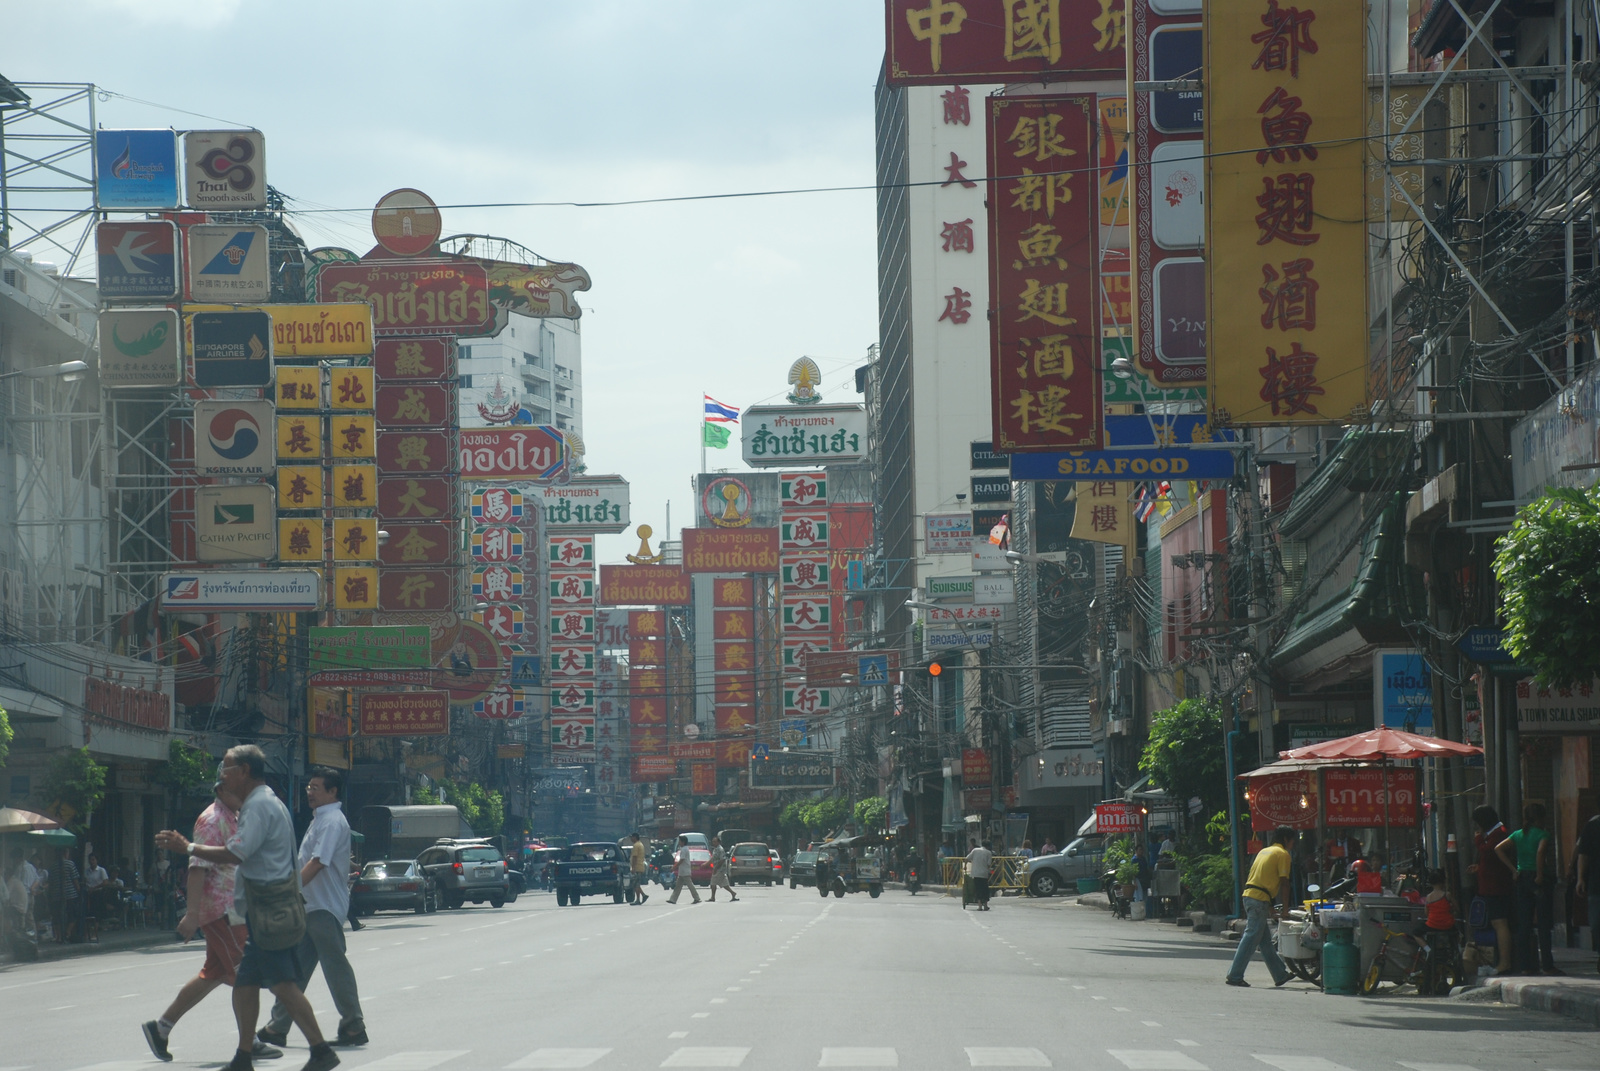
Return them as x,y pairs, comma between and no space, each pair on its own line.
1119,850
5,736
483,809
1548,566
1209,878
789,818
75,784
1217,829
424,796
1187,753
870,812
187,768
1127,872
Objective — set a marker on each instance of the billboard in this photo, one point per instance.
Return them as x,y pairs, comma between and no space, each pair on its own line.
730,550
242,590
587,504
789,769
1402,691
644,585
225,169
137,261
415,359
228,264
1043,268
942,42
405,713
135,169
1285,213
231,349
775,436
426,405
1130,459
368,646
234,438
236,523
519,453
139,348
312,330
414,297
947,533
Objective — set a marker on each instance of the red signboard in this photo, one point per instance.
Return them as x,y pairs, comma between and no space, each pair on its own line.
649,740
647,623
703,778
732,624
647,585
414,451
416,405
734,720
1044,214
132,706
647,682
416,498
429,543
517,453
1283,800
647,710
1355,798
735,656
653,768
693,749
941,42
646,651
414,358
730,550
975,768
733,591
405,714
414,297
416,589
734,754
1118,818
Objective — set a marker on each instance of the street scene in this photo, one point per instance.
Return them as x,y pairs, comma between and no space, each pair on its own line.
882,533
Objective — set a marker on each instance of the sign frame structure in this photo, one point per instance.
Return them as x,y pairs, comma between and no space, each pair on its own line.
241,590
151,357
1296,351
130,242
926,44
1044,263
136,169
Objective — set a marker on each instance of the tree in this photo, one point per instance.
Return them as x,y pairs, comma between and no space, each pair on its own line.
1548,566
482,809
869,813
5,736
1186,753
75,784
186,769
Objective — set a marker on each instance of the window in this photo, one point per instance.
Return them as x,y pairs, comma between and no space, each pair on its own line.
466,380
480,855
533,359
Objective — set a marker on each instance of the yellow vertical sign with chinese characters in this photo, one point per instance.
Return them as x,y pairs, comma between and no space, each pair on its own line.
1102,512
1286,230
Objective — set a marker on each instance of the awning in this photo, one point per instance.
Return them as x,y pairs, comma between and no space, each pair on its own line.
23,705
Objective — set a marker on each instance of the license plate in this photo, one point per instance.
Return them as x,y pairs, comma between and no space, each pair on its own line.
485,871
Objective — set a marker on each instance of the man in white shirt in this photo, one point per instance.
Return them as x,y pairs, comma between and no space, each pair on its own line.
263,848
978,862
324,864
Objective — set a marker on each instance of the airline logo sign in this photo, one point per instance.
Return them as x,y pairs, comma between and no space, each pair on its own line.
135,169
242,590
236,523
139,348
225,169
137,261
229,264
234,438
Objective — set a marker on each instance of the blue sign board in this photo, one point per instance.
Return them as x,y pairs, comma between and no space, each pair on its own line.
526,670
872,669
1135,453
1402,688
137,261
1484,645
761,751
1175,52
136,169
855,577
232,349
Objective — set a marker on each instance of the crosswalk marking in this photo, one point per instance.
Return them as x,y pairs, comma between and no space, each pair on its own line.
549,1059
1299,1063
707,1056
121,1065
1156,1060
1006,1057
413,1061
862,1057
1436,1067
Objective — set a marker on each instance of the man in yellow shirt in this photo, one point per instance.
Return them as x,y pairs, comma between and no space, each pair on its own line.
1269,880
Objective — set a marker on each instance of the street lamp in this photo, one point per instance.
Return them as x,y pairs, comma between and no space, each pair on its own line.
68,371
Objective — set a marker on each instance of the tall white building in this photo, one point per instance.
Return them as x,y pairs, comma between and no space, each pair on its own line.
536,361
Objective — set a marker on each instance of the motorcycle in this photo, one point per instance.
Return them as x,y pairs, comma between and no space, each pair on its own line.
913,882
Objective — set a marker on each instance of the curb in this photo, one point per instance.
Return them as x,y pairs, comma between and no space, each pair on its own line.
49,953
1580,1002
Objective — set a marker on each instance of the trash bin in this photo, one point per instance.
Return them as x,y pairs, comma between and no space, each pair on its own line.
1088,885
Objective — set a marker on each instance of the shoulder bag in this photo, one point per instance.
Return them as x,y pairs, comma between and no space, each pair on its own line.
276,912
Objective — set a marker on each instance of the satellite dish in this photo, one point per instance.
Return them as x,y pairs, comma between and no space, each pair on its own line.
691,730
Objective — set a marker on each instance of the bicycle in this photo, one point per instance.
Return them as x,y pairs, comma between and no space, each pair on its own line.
1430,967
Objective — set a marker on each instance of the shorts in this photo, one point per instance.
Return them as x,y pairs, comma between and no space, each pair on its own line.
1499,907
263,969
224,948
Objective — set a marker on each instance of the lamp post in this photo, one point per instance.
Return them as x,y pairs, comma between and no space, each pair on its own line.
69,371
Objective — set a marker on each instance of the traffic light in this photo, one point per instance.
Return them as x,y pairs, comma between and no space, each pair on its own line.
934,669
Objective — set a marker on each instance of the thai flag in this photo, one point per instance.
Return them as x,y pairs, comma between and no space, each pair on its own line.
1145,504
719,413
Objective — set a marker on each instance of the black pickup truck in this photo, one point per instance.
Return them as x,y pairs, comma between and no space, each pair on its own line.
590,870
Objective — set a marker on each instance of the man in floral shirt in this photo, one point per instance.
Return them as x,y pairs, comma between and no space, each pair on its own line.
210,888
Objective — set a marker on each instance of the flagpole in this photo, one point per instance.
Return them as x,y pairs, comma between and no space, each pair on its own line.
702,435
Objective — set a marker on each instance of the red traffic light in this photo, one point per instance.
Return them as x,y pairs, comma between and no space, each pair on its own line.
934,669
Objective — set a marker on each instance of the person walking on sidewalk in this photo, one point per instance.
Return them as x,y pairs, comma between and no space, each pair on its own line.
1269,880
1587,866
683,866
979,860
719,869
1494,881
208,912
263,848
636,870
324,864
1528,851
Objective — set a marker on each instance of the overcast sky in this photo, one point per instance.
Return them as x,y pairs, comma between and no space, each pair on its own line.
554,101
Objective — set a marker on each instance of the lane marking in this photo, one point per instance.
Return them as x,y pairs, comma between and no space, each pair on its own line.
414,1061
677,1034
1299,1063
1150,1022
700,1015
1187,1043
1006,1057
859,1057
548,1059
707,1056
1155,1060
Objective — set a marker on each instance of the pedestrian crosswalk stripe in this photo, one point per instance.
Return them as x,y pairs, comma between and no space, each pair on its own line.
413,1061
1300,1063
707,1056
550,1059
992,1057
1156,1060
859,1058
1436,1067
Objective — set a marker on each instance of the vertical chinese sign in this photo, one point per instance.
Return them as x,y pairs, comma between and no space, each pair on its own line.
1044,212
734,655
572,648
805,536
1285,114
647,701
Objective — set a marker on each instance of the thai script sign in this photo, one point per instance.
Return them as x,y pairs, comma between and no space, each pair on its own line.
947,533
244,590
939,42
647,768
1402,691
1043,264
694,749
1356,798
975,767
779,769
368,646
1286,231
1111,818
414,297
135,169
644,585
132,706
521,453
587,504
730,550
405,713
1283,800
774,436
314,330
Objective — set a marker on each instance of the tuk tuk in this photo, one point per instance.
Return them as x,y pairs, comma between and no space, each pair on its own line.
851,864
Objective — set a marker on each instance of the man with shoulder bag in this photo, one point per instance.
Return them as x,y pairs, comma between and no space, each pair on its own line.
267,894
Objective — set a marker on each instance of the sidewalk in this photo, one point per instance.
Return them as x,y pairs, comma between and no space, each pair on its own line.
114,941
1575,994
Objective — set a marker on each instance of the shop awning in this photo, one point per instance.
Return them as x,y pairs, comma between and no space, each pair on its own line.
23,705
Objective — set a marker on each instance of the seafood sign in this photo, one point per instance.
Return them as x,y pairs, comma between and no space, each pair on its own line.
521,453
782,435
414,297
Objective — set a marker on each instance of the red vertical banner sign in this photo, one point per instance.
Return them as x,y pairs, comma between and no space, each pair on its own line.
1044,214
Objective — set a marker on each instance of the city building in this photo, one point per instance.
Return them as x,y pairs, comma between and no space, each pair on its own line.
535,362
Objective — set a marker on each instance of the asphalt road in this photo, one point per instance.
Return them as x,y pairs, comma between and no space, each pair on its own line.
787,980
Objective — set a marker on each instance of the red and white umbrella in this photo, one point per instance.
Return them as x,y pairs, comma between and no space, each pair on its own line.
1377,745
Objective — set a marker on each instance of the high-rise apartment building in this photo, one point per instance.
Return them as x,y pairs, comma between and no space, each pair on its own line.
534,360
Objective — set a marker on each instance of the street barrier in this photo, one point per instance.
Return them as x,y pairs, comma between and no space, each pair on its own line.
1005,872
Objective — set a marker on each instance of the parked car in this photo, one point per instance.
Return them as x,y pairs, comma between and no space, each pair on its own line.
803,869
751,861
1050,874
467,870
777,868
597,869
699,846
394,885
